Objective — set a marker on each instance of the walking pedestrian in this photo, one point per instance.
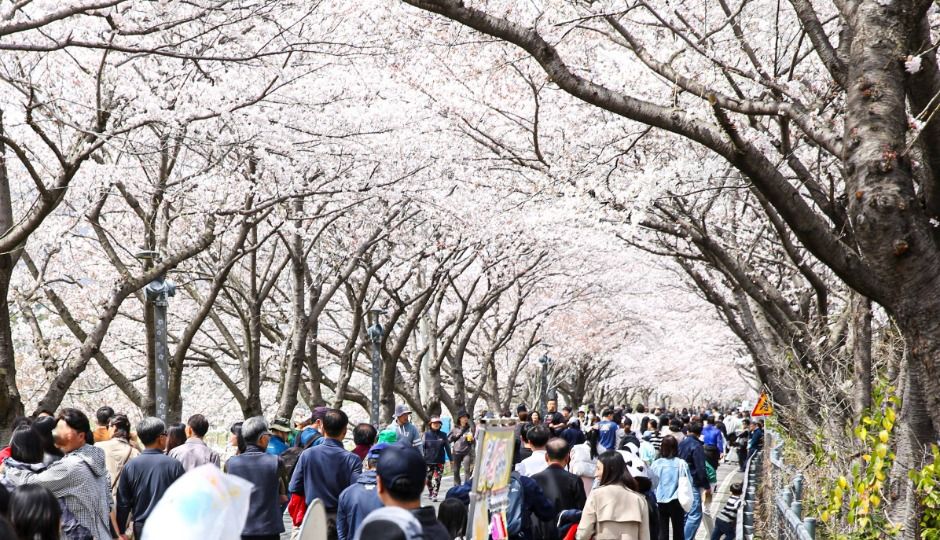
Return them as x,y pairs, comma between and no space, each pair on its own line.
194,452
34,514
407,432
452,514
607,431
118,451
325,470
728,517
280,433
537,438
584,460
265,519
462,445
360,499
436,453
175,437
573,433
103,419
364,436
312,433
614,509
692,451
80,478
146,477
400,481
564,489
668,468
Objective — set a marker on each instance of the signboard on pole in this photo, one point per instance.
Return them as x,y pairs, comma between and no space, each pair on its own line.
763,406
489,496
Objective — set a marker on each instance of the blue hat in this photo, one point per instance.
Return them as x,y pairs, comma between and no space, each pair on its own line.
398,461
376,450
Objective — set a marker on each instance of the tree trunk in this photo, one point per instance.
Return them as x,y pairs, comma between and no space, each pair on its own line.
860,337
10,402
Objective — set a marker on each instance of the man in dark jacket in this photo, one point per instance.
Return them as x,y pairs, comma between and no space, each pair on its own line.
563,489
400,481
146,478
360,499
324,471
436,453
265,520
692,451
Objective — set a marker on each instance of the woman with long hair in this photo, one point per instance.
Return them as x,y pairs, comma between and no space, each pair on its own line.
43,426
453,514
614,510
175,436
535,418
668,469
584,460
35,513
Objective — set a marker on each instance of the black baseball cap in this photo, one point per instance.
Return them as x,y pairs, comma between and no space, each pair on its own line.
398,461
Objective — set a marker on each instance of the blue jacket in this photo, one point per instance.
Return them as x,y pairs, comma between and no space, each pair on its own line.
304,436
324,471
712,435
692,451
667,472
355,503
276,446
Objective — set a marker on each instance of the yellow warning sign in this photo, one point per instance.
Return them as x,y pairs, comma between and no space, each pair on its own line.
763,407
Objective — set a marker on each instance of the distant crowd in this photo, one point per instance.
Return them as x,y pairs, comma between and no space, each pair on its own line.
609,472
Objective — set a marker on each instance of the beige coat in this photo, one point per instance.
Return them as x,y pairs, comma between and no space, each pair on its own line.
117,452
614,513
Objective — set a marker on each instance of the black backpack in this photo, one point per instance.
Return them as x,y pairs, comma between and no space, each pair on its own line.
291,456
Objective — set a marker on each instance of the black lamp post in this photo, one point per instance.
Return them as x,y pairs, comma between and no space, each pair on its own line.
157,293
376,333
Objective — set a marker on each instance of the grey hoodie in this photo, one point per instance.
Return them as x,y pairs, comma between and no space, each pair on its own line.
81,480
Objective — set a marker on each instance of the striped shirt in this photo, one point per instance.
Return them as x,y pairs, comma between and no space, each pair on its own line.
656,439
729,512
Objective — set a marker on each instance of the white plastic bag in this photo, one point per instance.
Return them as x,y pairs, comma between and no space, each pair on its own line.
204,504
684,491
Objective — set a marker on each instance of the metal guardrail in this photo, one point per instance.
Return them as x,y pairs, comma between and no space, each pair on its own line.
786,519
744,528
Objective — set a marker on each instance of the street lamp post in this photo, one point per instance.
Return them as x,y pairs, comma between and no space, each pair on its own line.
376,332
157,293
543,398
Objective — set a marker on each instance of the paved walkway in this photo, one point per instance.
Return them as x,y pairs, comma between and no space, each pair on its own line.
727,475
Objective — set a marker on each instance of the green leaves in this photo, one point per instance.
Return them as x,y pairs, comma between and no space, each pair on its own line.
853,508
925,485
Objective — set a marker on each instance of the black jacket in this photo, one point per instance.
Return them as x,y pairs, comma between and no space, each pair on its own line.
436,446
433,529
564,490
265,472
143,482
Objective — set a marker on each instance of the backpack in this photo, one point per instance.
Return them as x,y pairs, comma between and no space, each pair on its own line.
291,456
515,513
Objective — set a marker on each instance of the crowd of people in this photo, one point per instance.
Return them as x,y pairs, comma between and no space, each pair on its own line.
610,472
